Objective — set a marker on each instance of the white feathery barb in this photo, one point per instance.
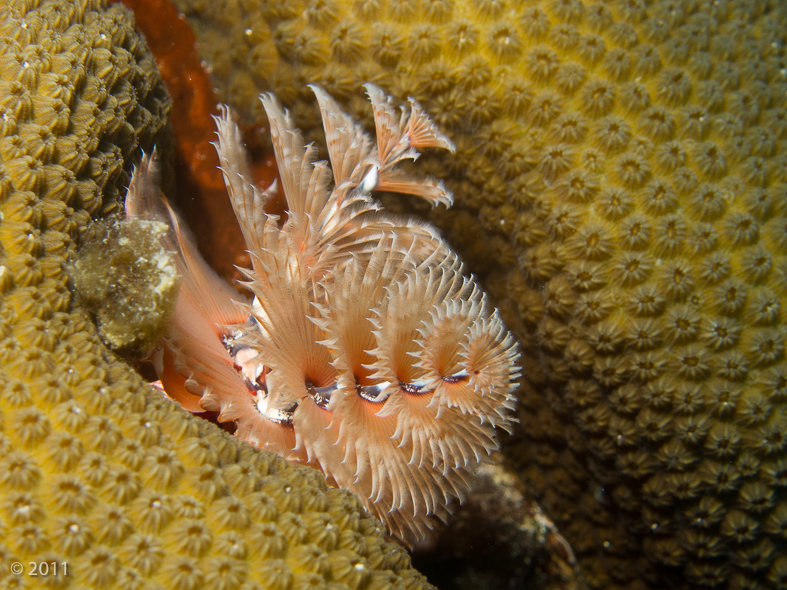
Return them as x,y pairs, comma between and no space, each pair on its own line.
422,132
348,144
143,199
247,200
363,349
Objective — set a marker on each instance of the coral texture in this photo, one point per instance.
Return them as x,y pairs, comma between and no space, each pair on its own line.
625,163
366,351
97,470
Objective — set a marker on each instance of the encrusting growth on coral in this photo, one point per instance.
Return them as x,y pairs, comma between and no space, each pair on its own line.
128,282
97,470
366,352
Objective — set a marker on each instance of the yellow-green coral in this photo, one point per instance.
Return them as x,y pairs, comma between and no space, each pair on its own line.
621,173
98,472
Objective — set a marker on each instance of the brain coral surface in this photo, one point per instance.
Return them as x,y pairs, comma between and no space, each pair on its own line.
621,175
98,473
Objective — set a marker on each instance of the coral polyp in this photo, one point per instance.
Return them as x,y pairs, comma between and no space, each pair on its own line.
362,349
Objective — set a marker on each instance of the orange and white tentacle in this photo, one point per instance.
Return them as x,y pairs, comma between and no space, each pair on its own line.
196,367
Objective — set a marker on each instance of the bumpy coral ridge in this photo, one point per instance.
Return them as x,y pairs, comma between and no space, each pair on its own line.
97,470
627,164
